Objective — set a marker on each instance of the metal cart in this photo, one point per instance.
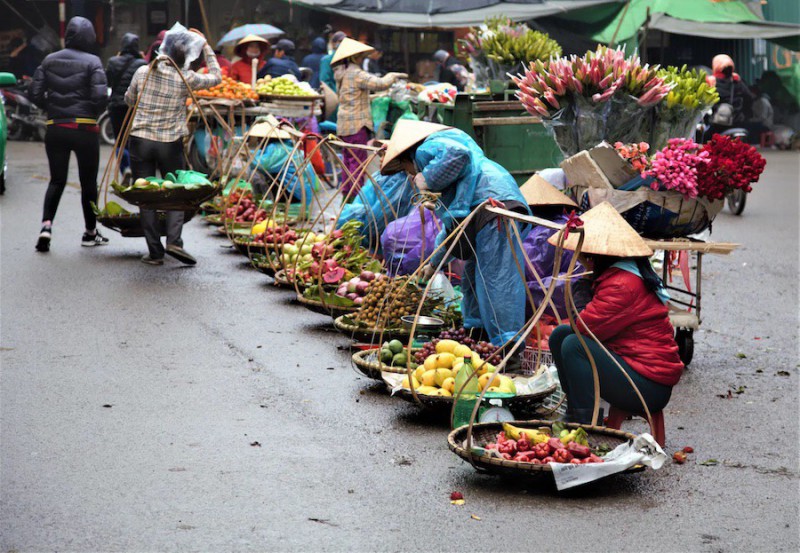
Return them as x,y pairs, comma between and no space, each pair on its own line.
685,304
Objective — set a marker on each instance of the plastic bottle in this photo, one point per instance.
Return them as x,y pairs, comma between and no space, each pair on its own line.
466,399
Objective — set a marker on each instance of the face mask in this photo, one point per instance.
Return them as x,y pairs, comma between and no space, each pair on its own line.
253,51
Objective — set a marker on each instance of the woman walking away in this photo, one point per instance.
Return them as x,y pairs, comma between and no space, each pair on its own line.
119,72
354,124
157,132
71,86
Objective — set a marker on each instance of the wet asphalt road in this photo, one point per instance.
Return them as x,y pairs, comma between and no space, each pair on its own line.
132,395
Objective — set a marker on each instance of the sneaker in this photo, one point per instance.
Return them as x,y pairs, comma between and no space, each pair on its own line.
152,260
43,243
181,255
91,240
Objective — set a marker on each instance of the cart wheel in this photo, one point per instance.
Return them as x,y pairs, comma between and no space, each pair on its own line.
736,201
685,339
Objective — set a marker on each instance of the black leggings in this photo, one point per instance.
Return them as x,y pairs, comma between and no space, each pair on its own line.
59,143
147,156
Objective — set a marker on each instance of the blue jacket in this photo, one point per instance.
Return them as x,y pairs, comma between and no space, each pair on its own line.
453,164
277,67
312,61
71,83
326,72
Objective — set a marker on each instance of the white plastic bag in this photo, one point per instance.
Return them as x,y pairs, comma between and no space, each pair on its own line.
192,43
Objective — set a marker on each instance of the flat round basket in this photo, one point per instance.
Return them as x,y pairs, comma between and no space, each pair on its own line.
281,281
130,226
322,308
245,247
483,433
264,266
370,365
177,199
213,219
522,406
369,335
287,98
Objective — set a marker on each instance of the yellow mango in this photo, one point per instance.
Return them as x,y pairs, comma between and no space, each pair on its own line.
445,360
442,375
446,346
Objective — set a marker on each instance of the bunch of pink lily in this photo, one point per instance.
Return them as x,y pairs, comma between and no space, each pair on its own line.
597,75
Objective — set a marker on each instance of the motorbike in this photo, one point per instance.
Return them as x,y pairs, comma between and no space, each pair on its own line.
721,122
25,119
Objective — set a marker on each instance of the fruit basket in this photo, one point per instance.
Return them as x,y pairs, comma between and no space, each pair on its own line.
369,363
522,405
245,246
263,265
175,199
348,327
318,306
281,281
214,219
129,225
483,433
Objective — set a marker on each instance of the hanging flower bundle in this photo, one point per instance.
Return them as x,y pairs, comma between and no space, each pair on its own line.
711,171
602,95
732,165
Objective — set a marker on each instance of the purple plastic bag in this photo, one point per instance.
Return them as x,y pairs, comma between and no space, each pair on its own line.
542,256
402,242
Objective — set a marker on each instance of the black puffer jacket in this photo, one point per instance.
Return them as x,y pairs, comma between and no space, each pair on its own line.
71,83
120,69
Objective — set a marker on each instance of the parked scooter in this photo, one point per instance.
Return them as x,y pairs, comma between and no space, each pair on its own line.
721,122
25,119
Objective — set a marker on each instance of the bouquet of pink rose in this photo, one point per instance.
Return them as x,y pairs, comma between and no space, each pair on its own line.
676,167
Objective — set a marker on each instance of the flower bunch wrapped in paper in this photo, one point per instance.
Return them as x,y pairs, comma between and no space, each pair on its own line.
602,95
677,116
500,47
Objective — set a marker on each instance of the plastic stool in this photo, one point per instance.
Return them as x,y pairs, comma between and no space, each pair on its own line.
617,416
767,139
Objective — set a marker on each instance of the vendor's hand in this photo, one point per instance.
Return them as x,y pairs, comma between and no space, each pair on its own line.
398,76
420,182
427,273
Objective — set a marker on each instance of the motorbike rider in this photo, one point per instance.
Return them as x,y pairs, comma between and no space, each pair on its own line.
119,72
732,91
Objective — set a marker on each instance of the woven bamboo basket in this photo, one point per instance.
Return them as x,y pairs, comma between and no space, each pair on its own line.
281,281
522,406
264,266
483,433
178,199
322,308
369,364
130,226
370,335
246,247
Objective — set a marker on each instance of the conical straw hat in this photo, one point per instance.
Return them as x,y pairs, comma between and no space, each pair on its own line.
606,233
406,134
269,128
538,192
349,48
251,38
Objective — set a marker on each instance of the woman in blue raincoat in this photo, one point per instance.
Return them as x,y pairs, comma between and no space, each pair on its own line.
380,201
446,160
280,160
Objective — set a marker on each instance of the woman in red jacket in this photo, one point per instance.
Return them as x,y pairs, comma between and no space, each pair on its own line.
627,313
251,47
